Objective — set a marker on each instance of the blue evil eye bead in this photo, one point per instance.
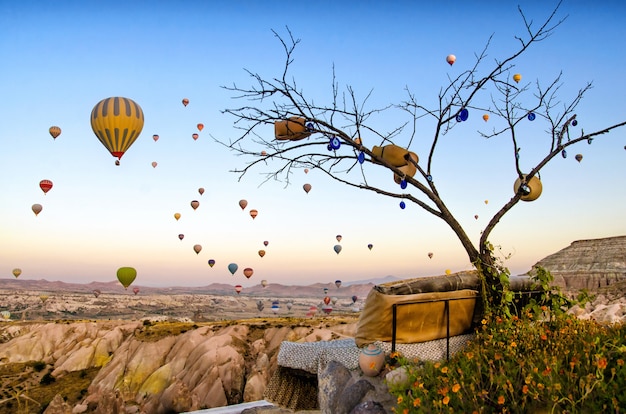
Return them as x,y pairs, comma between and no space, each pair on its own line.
458,118
335,143
516,155
531,116
329,148
402,205
403,184
429,178
574,122
589,140
361,157
564,154
463,115
309,127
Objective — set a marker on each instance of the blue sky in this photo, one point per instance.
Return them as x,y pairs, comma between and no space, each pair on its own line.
60,58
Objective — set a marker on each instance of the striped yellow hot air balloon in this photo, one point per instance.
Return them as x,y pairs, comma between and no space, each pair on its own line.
117,122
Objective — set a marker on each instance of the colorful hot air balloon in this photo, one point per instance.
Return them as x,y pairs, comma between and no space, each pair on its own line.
211,262
155,137
253,214
326,300
325,291
195,204
36,208
181,236
275,307
17,272
517,77
232,268
117,122
201,190
135,290
45,185
265,243
370,246
450,59
55,131
327,309
338,283
238,288
200,127
247,272
259,305
154,164
176,216
338,237
337,248
6,315
126,276
579,157
197,248
486,117
307,188
261,253
96,293
195,136
243,204
185,101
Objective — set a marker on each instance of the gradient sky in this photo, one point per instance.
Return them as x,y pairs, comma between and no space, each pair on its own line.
58,59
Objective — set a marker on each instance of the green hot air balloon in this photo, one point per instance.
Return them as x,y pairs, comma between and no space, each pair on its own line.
232,268
126,276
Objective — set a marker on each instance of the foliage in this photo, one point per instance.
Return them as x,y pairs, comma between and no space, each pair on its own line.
524,364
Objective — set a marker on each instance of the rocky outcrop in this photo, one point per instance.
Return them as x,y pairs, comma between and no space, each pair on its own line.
588,264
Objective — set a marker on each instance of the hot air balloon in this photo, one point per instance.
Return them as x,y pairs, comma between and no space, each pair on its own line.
201,190
337,248
96,293
486,117
448,271
369,246
195,204
334,300
579,157
36,208
155,137
476,216
450,59
430,255
43,298
247,272
338,237
326,300
135,290
154,164
211,262
45,185
264,283
238,288
232,268
517,77
17,272
325,291
117,162
259,305
197,248
289,305
117,122
200,127
126,276
275,306
307,188
354,299
176,216
243,204
195,136
181,236
530,190
185,101
265,243
261,253
486,201
338,283
327,309
306,170
6,315
55,131
253,214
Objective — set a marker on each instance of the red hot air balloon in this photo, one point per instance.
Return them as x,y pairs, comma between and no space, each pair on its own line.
45,185
247,272
450,59
201,190
265,243
253,214
326,300
238,289
155,137
200,127
195,136
243,204
307,188
135,290
185,101
195,204
181,236
154,164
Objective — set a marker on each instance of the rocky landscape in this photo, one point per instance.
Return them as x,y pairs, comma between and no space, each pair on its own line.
68,351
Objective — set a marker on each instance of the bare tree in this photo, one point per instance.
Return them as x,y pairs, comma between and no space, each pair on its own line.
319,130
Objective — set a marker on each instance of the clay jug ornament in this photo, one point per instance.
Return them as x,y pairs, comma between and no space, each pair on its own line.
371,360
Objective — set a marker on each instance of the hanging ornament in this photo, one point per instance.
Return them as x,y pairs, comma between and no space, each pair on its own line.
564,154
429,178
403,184
335,143
531,116
402,205
361,157
574,122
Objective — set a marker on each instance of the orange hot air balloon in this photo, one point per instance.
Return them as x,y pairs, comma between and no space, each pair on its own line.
176,216
307,188
197,248
253,214
55,131
154,164
37,208
200,127
261,253
517,77
450,59
117,122
247,272
185,101
486,117
243,204
201,190
327,300
155,137
45,185
195,136
195,204
238,289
